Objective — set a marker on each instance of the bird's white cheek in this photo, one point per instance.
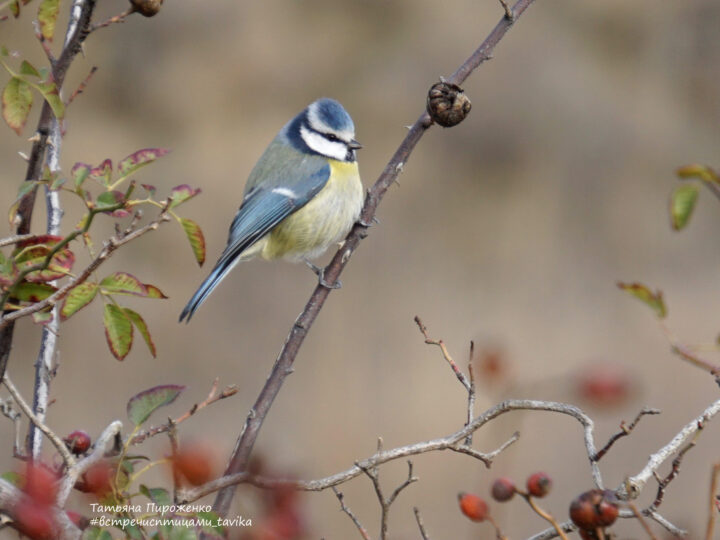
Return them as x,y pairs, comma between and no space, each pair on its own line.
321,145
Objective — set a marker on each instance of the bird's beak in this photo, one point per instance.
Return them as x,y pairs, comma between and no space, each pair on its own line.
354,145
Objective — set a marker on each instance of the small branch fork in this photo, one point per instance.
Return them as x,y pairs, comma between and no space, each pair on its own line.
212,397
468,382
625,430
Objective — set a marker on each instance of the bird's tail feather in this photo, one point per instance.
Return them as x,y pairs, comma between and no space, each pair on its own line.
205,289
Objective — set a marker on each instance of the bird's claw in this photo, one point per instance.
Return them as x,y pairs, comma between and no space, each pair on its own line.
320,273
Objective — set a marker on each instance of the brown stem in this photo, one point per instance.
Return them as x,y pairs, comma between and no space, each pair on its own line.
284,364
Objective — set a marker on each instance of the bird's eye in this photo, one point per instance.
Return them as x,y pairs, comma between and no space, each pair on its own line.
332,137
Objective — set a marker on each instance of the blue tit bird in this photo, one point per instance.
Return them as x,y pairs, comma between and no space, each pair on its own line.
302,196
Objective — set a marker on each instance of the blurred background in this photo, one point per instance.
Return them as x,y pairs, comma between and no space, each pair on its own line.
510,229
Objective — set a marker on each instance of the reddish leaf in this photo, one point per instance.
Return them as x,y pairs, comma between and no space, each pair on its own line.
123,283
644,294
703,172
80,172
142,405
154,292
102,172
35,251
118,331
195,236
139,323
181,194
17,99
78,297
139,159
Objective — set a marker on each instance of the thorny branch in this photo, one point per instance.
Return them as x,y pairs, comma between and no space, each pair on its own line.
283,365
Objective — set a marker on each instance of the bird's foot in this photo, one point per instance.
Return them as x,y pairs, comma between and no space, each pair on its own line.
320,273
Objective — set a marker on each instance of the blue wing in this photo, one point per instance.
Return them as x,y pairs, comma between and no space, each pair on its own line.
262,209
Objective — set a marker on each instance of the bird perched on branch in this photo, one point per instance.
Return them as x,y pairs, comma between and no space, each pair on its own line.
303,195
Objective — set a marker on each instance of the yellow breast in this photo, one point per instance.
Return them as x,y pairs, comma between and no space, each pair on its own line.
323,221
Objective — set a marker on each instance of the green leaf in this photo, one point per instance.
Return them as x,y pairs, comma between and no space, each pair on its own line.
702,172
50,93
58,183
109,200
33,292
26,68
80,172
682,204
95,533
17,99
142,405
43,317
181,194
139,323
78,297
47,16
139,159
159,496
645,295
118,331
123,283
195,236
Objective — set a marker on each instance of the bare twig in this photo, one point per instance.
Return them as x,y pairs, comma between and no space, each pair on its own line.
664,482
363,532
543,514
57,441
8,411
420,523
449,442
471,391
120,18
625,430
10,240
212,397
641,519
81,87
446,354
632,487
713,506
283,365
172,435
386,502
686,353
